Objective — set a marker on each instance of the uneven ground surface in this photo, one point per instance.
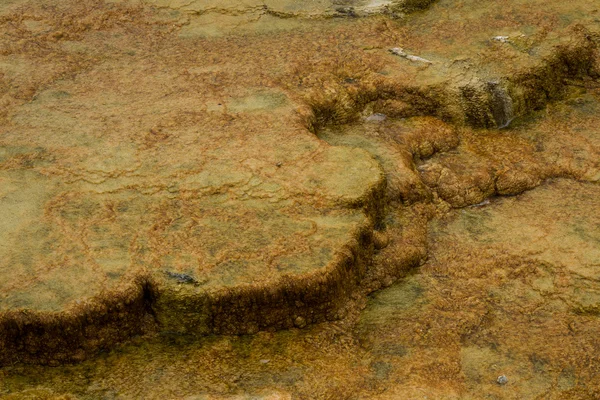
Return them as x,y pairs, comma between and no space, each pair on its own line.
175,172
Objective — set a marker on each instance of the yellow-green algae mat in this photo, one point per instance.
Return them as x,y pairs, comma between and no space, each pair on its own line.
123,190
228,230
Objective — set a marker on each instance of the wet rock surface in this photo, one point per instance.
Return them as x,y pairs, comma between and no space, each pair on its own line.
172,173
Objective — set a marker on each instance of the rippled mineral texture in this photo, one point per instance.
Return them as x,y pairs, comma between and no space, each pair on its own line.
299,199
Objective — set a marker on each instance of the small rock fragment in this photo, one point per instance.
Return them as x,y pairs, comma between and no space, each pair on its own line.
181,278
398,51
502,380
299,322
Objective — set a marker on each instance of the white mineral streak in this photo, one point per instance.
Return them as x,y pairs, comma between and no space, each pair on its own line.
501,39
504,116
377,117
418,59
508,108
401,53
376,6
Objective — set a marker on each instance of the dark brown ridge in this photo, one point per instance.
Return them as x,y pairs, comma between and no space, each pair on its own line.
53,338
72,336
472,105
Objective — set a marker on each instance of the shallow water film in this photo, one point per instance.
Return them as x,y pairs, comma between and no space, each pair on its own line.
329,199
